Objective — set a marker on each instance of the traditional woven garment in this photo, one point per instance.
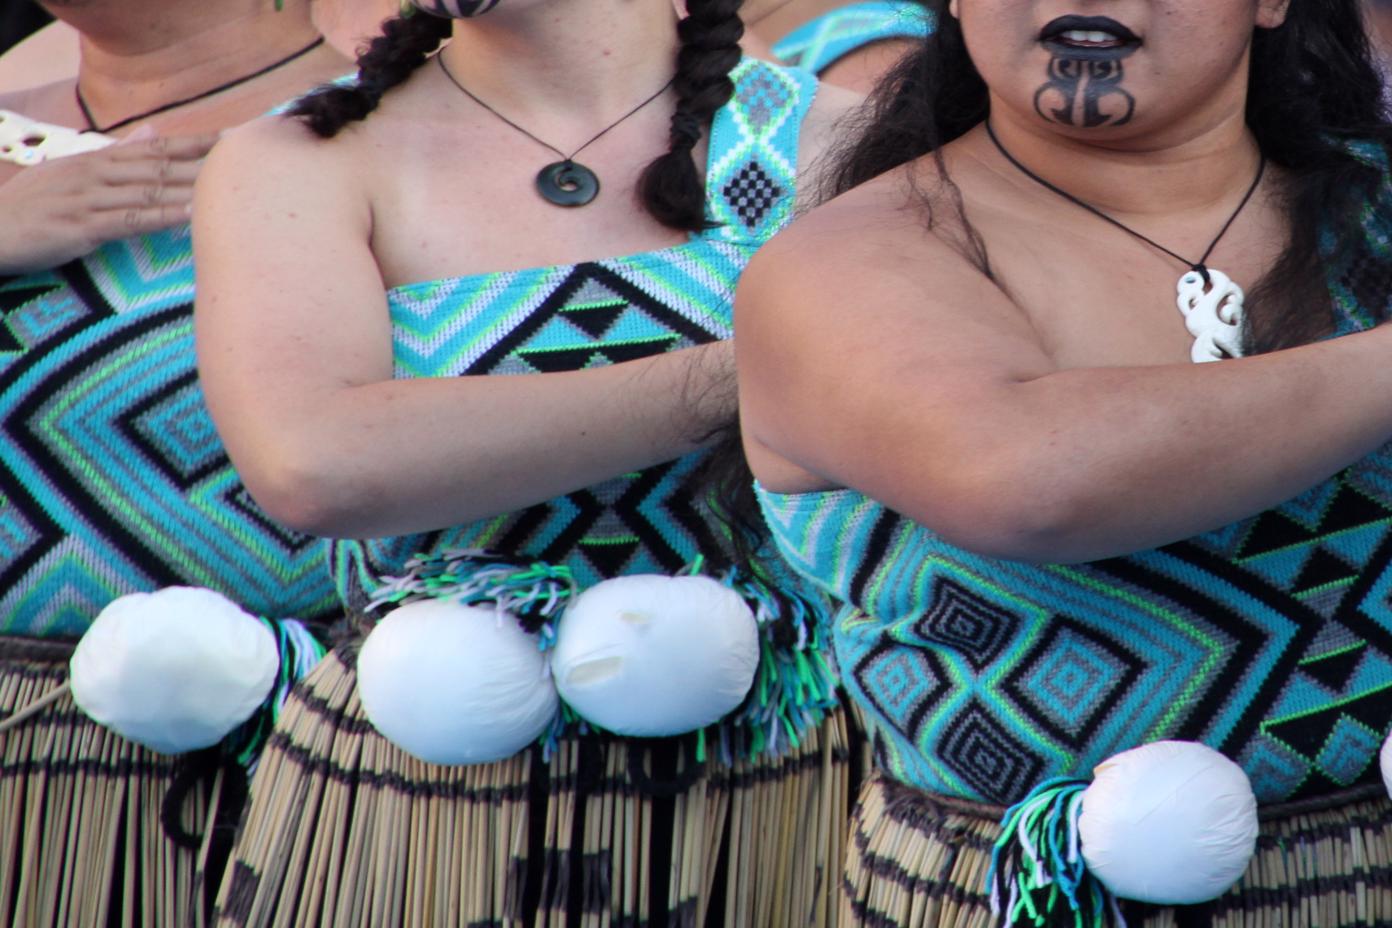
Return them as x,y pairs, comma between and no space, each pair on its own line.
819,43
603,829
1269,639
113,479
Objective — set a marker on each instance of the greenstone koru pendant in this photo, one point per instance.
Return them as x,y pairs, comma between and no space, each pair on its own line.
566,183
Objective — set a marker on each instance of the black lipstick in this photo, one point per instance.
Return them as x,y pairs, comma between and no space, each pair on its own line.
1051,38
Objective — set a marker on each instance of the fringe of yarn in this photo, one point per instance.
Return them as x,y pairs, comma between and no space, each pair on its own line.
1037,875
795,684
300,652
534,594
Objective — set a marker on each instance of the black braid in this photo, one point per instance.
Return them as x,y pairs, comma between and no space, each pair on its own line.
671,188
404,45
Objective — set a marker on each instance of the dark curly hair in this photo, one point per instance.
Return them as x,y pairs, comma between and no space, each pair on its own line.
1312,91
670,187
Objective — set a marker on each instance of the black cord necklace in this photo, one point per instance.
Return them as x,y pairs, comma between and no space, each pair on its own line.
565,182
1210,301
92,123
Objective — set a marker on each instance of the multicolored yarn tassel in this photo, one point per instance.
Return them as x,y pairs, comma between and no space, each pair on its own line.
795,684
535,594
1037,875
299,653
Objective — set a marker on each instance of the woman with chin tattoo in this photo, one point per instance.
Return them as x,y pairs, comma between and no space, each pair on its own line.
1077,398
468,318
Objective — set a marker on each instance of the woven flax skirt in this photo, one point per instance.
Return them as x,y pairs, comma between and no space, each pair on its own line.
920,862
344,830
82,843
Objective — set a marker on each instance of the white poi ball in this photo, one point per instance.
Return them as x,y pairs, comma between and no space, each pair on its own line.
175,670
649,655
1171,823
454,684
1385,763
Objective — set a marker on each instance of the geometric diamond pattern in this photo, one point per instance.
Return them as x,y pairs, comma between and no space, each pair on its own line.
1269,639
112,477
988,756
1347,751
597,313
971,625
752,169
904,683
1071,679
751,194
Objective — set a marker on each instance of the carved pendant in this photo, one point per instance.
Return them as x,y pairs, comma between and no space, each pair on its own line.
27,142
1212,314
566,183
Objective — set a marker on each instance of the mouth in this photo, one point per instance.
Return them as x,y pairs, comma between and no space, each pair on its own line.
1088,38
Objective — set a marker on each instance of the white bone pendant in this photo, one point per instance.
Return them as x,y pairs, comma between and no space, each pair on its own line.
1213,315
28,142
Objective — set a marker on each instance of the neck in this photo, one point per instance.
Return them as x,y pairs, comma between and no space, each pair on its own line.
136,57
589,59
1180,172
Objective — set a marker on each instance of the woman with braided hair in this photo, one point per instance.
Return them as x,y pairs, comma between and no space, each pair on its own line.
418,342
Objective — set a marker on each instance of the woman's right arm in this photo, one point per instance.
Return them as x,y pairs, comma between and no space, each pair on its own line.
899,370
295,355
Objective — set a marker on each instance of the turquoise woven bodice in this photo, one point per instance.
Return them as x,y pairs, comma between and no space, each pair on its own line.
818,44
112,477
602,312
1269,639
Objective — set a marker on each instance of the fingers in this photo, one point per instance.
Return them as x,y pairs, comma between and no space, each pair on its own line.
172,147
128,196
143,182
137,220
149,172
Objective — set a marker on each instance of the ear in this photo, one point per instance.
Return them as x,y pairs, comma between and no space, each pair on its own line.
953,9
1270,13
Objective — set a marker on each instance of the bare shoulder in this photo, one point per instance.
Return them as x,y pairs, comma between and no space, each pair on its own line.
876,234
42,102
280,156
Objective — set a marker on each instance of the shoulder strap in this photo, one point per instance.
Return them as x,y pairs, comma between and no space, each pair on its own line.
818,44
751,172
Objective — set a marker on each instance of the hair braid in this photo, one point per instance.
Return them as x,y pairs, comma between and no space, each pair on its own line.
404,45
671,188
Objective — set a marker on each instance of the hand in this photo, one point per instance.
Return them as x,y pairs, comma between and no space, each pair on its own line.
65,208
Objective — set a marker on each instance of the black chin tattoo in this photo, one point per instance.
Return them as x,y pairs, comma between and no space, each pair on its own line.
1085,92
